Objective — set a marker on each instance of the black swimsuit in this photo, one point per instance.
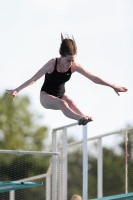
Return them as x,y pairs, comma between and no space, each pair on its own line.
54,83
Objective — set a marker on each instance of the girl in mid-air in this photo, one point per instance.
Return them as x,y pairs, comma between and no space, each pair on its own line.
57,72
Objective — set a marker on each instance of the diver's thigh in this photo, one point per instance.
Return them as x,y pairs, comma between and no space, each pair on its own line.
49,101
66,98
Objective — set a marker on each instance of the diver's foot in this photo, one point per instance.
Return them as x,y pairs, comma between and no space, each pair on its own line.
80,121
86,120
83,120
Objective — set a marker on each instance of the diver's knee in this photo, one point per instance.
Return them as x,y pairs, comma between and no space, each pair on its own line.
71,103
63,103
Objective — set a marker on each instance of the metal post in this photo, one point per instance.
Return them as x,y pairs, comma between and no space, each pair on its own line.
126,162
85,164
64,165
12,195
54,166
59,179
100,169
48,185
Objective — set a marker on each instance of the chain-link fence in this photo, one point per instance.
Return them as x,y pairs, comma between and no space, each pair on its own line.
110,166
110,162
26,166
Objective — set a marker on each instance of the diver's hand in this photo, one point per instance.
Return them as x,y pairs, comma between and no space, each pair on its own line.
118,89
13,93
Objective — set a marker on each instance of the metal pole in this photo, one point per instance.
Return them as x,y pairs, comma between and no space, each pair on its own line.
64,165
59,179
100,169
12,195
54,166
126,162
29,152
48,185
85,164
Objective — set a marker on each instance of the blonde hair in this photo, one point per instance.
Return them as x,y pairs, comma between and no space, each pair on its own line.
76,197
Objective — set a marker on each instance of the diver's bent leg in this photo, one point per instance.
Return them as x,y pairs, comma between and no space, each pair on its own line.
51,102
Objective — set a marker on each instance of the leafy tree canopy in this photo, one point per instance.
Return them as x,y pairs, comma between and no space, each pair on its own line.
18,125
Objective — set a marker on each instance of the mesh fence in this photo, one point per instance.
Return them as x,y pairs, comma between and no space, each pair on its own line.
33,168
117,163
74,159
92,168
117,167
116,180
114,164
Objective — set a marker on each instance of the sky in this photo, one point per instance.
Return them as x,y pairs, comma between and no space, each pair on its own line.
30,36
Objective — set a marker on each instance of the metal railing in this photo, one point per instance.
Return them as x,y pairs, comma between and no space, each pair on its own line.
37,177
58,169
85,151
62,182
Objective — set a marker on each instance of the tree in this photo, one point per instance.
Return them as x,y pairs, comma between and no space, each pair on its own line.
18,125
19,130
113,168
128,152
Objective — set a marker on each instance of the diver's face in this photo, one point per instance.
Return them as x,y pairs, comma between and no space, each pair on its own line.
68,60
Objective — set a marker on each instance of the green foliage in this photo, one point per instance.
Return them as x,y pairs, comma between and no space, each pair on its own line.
113,169
19,130
114,173
20,167
18,127
129,158
75,172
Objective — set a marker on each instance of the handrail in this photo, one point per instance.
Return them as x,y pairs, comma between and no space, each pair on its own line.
65,126
28,152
